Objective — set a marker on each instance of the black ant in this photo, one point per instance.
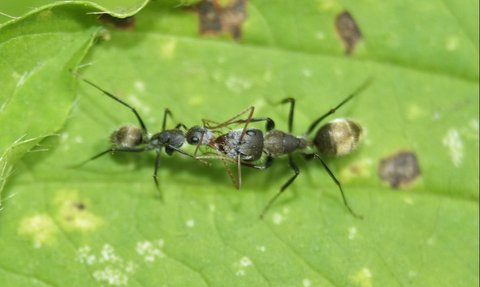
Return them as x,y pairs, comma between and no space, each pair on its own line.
131,138
336,138
242,146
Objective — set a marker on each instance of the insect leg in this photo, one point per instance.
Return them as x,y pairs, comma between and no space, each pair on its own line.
295,168
105,152
290,114
165,114
332,176
155,171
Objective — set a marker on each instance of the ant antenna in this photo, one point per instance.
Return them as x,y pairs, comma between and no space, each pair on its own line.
356,92
137,115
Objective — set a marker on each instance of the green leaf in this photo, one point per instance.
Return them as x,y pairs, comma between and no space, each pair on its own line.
103,224
117,8
36,88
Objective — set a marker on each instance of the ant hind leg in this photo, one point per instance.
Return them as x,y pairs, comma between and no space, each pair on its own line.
295,168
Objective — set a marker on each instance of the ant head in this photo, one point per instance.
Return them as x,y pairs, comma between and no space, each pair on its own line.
338,137
127,137
196,134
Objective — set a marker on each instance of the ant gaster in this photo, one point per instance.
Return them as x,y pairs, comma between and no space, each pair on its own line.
336,138
130,138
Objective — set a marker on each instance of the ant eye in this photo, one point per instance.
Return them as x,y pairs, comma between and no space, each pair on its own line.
194,139
251,132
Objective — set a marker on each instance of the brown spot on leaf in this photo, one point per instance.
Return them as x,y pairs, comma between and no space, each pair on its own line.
215,19
399,169
79,205
348,31
127,23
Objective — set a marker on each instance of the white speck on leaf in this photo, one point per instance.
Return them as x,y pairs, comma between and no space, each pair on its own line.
190,223
277,218
452,44
107,254
111,269
168,48
408,200
139,86
85,256
237,84
211,207
454,144
363,277
307,72
111,276
135,101
149,251
245,261
352,232
306,282
261,248
41,228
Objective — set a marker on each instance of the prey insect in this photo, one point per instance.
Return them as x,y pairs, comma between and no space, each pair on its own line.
132,139
336,138
241,146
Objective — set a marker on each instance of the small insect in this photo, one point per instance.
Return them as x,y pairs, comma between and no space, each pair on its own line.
130,138
241,146
336,138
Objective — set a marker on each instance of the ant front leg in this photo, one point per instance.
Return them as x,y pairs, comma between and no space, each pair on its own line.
290,114
165,114
295,168
112,150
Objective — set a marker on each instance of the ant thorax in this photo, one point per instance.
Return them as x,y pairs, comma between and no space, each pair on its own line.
278,143
127,137
250,148
338,137
168,138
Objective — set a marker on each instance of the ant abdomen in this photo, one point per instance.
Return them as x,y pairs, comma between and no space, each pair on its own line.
338,137
127,137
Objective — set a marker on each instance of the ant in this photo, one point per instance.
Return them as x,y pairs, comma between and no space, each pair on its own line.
336,138
131,138
242,146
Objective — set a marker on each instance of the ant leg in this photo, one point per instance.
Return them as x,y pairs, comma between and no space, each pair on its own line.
104,153
295,168
356,92
155,171
187,154
92,158
208,123
290,114
270,125
332,176
165,114
268,163
239,173
180,125
225,161
140,121
250,110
